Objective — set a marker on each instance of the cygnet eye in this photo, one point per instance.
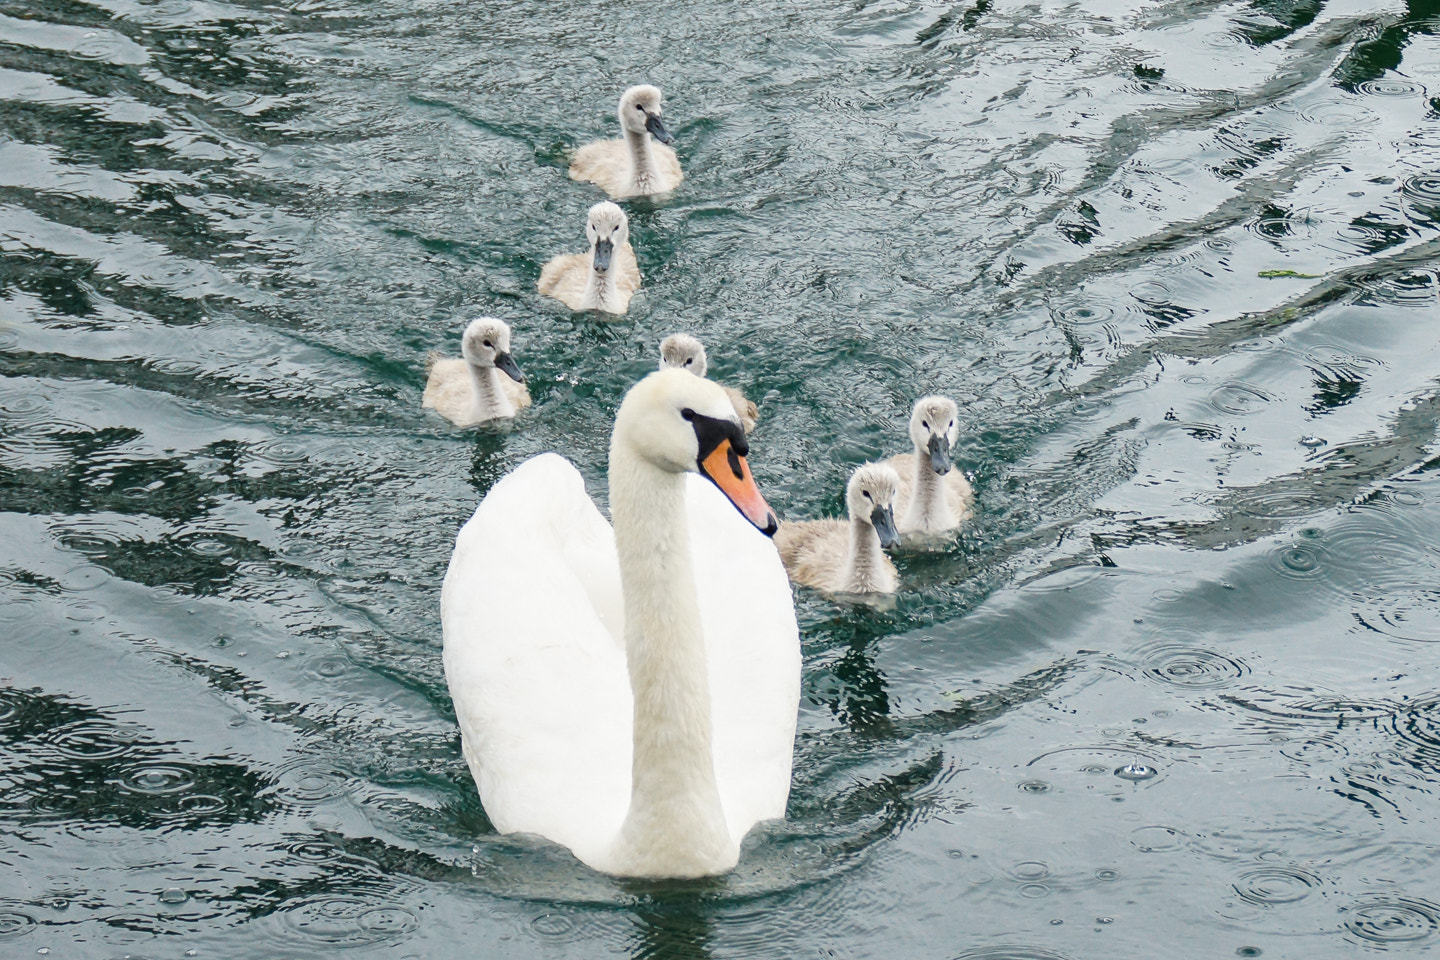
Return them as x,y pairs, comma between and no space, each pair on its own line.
925,424
488,344
950,424
867,495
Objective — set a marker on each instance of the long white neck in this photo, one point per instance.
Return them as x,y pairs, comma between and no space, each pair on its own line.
928,510
488,397
642,162
600,289
675,826
865,567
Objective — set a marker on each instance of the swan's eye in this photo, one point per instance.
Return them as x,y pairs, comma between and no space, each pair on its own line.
867,495
688,414
924,424
640,107
488,344
689,361
951,424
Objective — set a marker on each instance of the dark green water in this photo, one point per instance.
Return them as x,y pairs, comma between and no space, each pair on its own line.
1173,694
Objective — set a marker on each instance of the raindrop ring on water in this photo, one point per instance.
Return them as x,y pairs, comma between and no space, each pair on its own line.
1408,612
552,926
93,740
14,924
1238,399
1393,921
1192,667
1390,87
1157,839
157,780
1030,870
1086,314
1270,886
1298,561
1010,952
1420,195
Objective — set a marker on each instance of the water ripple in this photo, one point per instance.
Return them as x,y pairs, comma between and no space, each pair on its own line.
1010,952
555,927
1391,87
157,779
1407,288
1420,196
312,782
1420,729
1389,921
1409,612
339,919
1275,885
1157,839
15,924
1303,559
1191,667
94,740
1239,399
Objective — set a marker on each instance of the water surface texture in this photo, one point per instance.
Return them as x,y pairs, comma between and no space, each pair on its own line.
1173,693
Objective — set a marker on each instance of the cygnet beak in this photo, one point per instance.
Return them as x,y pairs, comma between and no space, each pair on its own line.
506,363
940,454
656,128
883,520
603,250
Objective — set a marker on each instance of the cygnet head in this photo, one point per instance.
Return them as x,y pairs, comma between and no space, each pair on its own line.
486,343
870,496
684,352
640,112
934,427
606,228
678,422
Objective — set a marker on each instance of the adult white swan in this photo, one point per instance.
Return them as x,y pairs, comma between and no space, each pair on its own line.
629,695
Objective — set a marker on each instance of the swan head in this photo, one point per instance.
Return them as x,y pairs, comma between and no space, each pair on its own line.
486,343
682,423
606,227
934,426
870,497
684,352
640,112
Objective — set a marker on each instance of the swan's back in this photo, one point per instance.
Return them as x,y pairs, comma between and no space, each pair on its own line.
607,164
564,278
533,655
814,552
745,408
447,388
